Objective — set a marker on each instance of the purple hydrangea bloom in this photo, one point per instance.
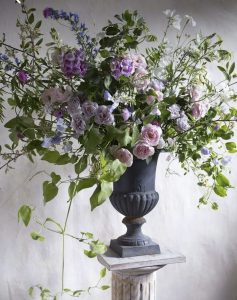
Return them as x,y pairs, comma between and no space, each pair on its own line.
22,76
73,63
74,105
205,151
78,124
215,161
182,122
104,116
48,12
122,66
89,109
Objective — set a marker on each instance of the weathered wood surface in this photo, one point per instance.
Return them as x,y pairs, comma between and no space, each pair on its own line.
133,287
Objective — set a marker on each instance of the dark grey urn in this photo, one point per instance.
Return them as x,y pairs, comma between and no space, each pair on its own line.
134,196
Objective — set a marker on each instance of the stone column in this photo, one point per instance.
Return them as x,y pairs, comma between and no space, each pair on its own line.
134,278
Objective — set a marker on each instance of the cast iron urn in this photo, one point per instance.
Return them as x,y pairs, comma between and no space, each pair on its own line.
134,196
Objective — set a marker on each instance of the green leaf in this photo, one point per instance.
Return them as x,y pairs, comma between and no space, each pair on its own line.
55,177
38,24
107,81
214,206
31,19
51,156
50,220
135,134
113,171
101,193
63,159
220,190
112,30
102,273
50,191
36,236
81,165
86,183
72,190
93,139
232,68
30,291
231,147
105,287
222,180
24,213
104,53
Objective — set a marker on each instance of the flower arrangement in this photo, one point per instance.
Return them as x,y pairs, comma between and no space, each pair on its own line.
103,103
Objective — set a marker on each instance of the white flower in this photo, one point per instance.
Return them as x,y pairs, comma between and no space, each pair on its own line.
225,108
176,23
156,112
193,22
169,12
161,144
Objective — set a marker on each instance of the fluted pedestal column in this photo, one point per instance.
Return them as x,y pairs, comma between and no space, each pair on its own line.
134,278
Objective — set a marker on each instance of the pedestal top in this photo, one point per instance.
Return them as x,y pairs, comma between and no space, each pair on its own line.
115,263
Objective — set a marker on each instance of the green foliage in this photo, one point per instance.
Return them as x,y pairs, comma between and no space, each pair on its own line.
36,236
24,213
101,193
50,191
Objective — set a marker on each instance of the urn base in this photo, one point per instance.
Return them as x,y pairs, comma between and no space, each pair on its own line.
129,251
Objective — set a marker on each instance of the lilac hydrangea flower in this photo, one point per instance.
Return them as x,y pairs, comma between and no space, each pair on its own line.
174,111
104,116
182,122
157,85
74,105
78,124
205,151
122,67
73,63
22,76
89,109
215,161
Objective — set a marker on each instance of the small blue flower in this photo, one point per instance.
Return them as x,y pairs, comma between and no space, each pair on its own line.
56,140
107,96
205,151
67,147
225,160
47,142
215,161
61,126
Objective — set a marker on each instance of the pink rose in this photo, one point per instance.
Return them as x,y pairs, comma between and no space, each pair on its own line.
151,134
200,109
124,156
151,98
139,61
142,150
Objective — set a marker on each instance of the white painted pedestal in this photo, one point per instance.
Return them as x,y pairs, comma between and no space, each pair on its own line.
134,278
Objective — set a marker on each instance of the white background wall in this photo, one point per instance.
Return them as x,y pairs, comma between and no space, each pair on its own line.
207,238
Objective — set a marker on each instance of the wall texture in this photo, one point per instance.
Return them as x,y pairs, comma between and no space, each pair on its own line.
207,238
